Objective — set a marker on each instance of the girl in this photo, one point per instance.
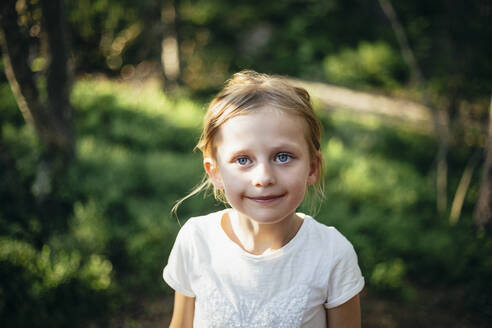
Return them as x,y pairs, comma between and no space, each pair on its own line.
259,263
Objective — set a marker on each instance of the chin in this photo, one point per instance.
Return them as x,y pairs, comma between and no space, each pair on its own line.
265,218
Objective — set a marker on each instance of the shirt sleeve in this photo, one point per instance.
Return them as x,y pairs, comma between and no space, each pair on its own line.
177,271
345,280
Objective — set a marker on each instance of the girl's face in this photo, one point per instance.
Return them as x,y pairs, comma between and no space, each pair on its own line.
263,164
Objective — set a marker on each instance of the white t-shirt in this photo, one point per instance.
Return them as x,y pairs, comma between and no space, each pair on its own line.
288,287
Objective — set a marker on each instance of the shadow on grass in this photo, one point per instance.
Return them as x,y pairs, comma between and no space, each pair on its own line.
103,118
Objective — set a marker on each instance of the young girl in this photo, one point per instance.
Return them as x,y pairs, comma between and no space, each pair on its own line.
259,263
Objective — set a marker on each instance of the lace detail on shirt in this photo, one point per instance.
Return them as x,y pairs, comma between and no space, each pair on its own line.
284,310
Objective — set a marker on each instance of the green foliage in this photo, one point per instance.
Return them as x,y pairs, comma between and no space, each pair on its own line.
389,184
388,274
349,42
133,162
370,64
131,172
10,112
380,196
101,31
48,287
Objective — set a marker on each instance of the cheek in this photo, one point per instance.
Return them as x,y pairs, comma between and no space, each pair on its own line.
233,192
297,184
232,181
300,176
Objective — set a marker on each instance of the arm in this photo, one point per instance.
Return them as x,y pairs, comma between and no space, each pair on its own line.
183,313
346,315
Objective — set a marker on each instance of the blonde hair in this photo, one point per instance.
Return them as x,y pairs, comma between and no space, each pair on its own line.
248,91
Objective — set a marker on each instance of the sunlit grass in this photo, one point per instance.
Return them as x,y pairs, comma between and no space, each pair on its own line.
364,177
141,97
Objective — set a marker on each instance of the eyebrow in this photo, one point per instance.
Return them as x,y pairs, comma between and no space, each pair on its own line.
287,147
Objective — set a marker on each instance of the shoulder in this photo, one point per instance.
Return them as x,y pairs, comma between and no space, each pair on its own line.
192,245
333,243
342,275
328,235
200,223
197,228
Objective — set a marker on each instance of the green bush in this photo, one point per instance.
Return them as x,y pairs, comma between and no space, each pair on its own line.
51,288
370,64
380,194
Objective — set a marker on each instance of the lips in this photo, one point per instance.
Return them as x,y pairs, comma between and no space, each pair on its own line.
266,198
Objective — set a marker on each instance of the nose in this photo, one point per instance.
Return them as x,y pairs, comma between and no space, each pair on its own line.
263,176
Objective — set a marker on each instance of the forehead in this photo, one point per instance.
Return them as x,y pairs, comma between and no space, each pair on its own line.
265,126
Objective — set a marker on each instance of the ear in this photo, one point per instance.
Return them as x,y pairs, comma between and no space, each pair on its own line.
213,172
314,169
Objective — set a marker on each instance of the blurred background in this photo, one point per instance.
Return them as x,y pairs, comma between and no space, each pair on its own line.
101,104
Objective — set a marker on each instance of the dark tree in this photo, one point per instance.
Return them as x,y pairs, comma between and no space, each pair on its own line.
52,119
483,210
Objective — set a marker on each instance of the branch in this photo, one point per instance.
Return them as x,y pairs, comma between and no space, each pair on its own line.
462,189
15,49
440,119
401,36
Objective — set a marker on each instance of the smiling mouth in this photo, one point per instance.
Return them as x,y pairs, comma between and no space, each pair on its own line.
266,199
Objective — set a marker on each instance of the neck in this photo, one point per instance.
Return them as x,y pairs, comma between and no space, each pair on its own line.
257,238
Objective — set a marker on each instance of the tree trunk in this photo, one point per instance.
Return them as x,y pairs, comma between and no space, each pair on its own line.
464,184
58,78
170,54
440,118
483,209
15,47
53,120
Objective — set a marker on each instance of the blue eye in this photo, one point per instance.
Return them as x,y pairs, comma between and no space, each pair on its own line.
242,160
283,157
